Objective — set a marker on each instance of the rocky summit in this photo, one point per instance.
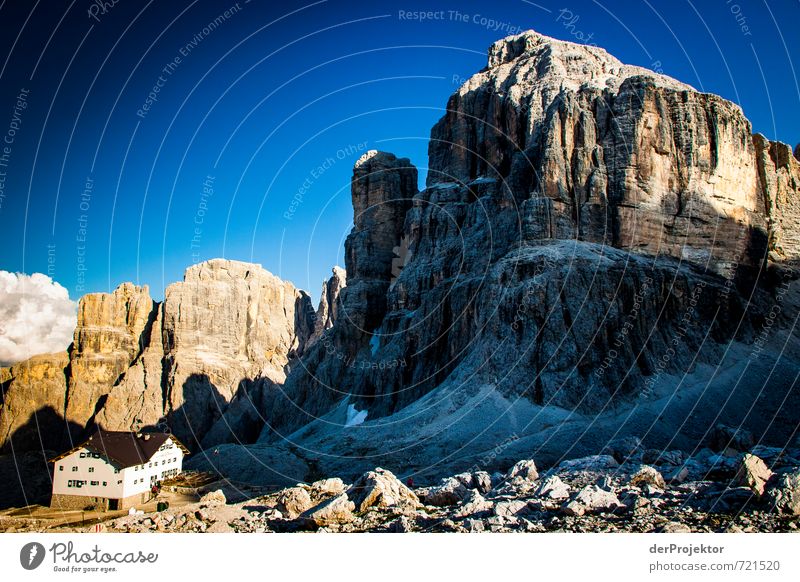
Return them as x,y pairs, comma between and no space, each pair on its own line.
224,333
600,253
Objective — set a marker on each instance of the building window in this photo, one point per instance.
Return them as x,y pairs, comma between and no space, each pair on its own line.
95,483
61,467
105,483
83,455
74,469
119,481
91,469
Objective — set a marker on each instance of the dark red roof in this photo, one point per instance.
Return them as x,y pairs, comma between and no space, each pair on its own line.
125,449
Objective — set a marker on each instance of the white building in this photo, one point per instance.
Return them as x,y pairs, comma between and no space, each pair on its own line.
115,470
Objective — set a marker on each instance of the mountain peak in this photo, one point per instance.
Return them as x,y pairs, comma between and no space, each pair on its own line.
530,56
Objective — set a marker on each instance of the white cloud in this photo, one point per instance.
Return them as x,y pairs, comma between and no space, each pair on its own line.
36,316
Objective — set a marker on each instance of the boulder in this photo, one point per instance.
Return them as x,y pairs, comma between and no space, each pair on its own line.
327,487
553,488
511,508
725,437
450,492
769,455
675,527
659,457
480,480
523,470
337,509
752,472
592,499
473,503
214,498
380,488
677,475
783,493
401,525
647,475
294,501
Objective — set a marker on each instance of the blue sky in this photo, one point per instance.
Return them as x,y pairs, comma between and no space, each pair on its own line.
247,149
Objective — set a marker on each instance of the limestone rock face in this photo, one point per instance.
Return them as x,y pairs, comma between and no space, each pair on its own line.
197,363
108,337
34,396
230,328
587,229
383,188
590,235
226,322
49,399
589,148
138,399
779,175
328,310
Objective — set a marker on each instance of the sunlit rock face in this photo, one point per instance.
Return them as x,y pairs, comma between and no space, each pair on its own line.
579,215
592,237
328,309
228,330
34,393
591,149
227,326
779,177
107,340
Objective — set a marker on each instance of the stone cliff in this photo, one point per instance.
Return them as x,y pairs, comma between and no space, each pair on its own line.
595,251
591,149
552,142
589,232
328,309
136,363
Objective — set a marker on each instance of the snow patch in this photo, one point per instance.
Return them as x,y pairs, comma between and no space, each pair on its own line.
355,417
